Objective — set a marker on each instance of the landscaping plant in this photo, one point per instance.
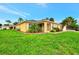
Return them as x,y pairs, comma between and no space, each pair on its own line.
34,28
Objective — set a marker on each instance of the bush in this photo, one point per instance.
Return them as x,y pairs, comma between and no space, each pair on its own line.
17,29
55,30
77,28
35,28
4,29
74,26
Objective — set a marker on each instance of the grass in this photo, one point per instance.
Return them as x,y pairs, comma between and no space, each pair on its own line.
17,43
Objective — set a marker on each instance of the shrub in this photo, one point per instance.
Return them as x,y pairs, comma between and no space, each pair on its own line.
74,26
35,28
55,30
4,29
77,28
17,29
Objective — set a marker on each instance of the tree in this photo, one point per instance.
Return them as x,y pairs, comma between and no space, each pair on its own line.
74,24
15,23
51,19
20,20
0,24
70,22
8,21
6,24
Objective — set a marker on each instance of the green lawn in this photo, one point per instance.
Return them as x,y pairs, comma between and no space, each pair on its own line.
14,43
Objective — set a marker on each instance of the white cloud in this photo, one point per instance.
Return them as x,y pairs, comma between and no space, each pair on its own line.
11,11
42,4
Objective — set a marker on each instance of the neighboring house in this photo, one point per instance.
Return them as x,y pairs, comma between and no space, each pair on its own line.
7,27
46,25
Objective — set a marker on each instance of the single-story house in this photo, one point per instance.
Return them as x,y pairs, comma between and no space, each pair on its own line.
7,27
46,25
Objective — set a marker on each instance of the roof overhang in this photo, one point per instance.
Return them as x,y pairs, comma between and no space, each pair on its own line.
23,22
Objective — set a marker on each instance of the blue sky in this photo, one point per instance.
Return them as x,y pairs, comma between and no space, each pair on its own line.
37,11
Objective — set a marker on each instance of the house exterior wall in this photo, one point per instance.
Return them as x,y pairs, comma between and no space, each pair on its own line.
24,27
64,28
54,25
57,26
17,26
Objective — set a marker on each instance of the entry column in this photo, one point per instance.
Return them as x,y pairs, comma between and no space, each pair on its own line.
27,27
51,25
45,26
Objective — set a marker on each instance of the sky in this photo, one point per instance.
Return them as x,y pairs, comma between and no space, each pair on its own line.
38,11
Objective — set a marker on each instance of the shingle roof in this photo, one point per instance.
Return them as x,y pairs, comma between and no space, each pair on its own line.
35,21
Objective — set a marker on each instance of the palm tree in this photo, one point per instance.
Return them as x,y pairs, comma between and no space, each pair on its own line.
69,22
20,20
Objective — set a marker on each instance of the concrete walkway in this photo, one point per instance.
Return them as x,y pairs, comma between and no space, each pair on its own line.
65,31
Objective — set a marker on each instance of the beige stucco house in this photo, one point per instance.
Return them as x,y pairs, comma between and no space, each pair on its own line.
24,26
46,25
